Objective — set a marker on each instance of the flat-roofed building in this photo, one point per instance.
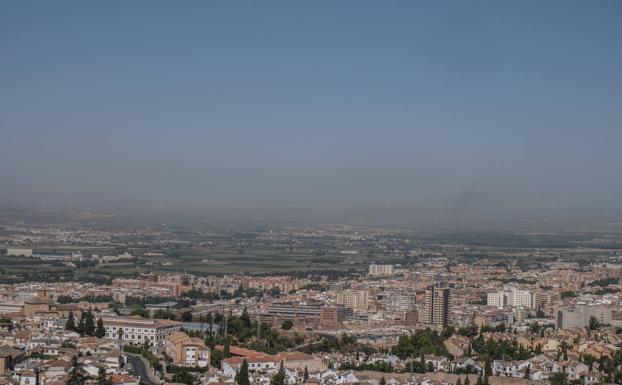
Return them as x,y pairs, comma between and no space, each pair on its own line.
331,317
579,316
14,252
11,307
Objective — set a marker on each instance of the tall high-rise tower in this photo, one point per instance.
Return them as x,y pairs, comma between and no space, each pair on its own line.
436,306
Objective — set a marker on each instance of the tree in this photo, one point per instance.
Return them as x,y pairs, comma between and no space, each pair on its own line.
186,316
593,325
287,324
383,381
71,322
77,376
82,323
488,368
528,371
89,324
227,349
459,382
102,378
467,381
305,375
242,376
559,379
100,332
279,377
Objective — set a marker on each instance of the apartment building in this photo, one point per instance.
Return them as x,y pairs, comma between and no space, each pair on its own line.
353,299
187,351
380,270
436,306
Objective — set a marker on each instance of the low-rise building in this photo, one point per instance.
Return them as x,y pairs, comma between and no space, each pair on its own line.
136,330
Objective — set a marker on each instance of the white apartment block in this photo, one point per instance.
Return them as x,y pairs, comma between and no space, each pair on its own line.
521,298
380,270
498,299
513,297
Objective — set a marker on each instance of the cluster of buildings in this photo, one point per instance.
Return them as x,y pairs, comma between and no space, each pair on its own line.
559,312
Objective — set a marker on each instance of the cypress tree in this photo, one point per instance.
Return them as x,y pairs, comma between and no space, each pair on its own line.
227,349
279,377
488,368
100,332
71,322
82,324
242,376
89,324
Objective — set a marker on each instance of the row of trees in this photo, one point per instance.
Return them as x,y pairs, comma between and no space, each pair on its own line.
86,326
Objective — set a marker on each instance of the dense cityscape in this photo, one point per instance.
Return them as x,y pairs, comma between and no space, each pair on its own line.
344,305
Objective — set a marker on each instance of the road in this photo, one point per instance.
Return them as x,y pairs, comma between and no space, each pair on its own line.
139,368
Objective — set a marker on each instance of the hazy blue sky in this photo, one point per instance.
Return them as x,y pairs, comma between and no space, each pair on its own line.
265,105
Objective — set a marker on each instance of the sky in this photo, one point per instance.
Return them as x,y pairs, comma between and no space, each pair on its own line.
289,107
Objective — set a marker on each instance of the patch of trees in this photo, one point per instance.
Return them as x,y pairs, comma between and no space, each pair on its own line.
344,344
500,350
378,366
424,341
604,282
87,298
86,326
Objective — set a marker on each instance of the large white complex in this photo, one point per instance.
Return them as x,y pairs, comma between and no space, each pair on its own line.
138,330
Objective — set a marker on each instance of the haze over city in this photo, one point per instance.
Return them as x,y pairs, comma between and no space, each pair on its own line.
310,192
313,110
